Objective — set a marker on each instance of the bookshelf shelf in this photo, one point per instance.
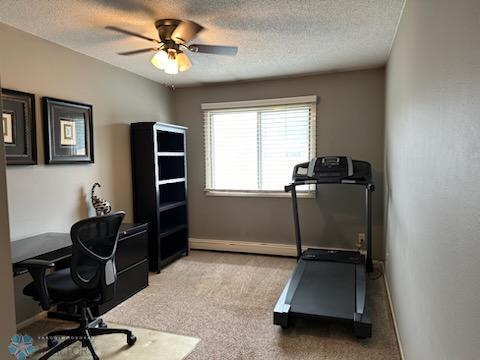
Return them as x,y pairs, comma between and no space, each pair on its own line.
172,230
171,205
170,153
171,181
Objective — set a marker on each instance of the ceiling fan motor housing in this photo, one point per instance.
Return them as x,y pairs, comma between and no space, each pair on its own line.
165,28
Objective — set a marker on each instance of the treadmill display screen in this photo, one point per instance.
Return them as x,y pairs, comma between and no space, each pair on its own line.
330,161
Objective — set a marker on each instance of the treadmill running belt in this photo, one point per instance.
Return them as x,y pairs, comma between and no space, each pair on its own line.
326,289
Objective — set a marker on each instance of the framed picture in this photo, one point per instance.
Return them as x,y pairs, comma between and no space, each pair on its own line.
68,130
18,122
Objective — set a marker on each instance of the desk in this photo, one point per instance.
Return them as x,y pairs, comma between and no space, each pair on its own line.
131,259
54,247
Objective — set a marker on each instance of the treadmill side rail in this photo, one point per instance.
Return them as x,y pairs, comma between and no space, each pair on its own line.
282,308
280,313
360,289
362,326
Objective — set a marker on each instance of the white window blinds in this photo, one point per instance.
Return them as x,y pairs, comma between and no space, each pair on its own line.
252,146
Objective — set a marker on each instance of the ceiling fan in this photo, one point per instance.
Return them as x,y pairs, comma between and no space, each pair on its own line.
173,38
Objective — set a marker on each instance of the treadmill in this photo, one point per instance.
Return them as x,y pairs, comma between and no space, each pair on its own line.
329,284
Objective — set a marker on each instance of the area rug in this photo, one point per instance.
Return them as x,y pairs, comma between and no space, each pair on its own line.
151,344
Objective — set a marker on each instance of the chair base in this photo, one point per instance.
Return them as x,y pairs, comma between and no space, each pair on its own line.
88,328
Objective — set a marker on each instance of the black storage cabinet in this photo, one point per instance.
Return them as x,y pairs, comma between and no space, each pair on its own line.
160,189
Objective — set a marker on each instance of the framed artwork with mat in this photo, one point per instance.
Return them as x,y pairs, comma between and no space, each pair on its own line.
18,120
68,128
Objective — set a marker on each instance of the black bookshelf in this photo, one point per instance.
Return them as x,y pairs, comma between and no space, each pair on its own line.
159,176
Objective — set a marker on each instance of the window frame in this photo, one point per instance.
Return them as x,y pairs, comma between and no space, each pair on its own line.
257,105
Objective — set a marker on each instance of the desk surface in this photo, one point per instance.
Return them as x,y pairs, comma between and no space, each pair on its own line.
39,245
34,246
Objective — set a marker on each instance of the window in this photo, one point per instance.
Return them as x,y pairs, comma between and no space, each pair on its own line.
251,147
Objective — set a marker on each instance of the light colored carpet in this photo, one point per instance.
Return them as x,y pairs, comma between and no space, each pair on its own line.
151,344
227,301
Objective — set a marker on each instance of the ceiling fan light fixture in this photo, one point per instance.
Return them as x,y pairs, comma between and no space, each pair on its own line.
159,59
173,37
183,62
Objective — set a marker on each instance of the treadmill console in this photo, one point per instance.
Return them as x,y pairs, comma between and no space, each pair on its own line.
333,169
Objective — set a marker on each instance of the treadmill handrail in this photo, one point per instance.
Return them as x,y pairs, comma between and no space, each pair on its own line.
369,189
296,183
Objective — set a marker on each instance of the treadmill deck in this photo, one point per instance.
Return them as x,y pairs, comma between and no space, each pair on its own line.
326,289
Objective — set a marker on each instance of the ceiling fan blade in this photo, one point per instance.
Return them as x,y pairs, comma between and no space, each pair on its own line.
214,49
135,52
185,31
128,32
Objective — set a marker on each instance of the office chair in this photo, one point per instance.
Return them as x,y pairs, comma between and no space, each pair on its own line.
89,281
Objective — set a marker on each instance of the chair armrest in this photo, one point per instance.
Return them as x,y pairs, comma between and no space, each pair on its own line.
38,269
36,264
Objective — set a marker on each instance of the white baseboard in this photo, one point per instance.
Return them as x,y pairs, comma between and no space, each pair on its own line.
31,320
242,247
248,247
395,324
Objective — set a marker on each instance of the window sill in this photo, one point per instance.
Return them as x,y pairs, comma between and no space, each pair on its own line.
261,194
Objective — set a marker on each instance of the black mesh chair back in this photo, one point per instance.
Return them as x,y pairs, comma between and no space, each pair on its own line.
93,254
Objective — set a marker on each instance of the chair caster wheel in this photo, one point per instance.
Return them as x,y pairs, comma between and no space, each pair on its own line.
131,339
102,325
52,343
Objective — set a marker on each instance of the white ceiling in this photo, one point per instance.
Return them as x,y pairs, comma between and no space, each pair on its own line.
275,37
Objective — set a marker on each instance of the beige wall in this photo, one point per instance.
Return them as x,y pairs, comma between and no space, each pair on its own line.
7,308
350,121
433,166
51,197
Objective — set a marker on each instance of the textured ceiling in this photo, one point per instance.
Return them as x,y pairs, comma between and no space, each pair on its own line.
275,37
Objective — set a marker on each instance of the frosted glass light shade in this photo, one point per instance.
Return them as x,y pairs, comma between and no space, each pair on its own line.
183,62
159,59
171,67
172,61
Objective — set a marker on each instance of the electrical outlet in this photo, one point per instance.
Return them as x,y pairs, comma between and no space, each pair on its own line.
361,239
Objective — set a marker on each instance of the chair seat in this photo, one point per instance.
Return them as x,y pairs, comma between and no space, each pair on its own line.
61,287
